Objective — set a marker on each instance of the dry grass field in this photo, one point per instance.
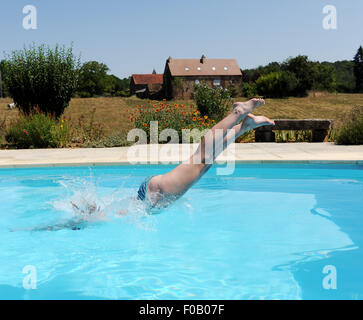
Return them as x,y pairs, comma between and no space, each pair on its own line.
112,112
317,106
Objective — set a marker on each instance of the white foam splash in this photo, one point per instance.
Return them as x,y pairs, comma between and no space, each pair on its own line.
86,202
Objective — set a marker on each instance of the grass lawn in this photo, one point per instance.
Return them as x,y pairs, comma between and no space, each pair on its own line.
112,112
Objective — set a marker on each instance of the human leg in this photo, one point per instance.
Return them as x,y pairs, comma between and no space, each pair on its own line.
179,180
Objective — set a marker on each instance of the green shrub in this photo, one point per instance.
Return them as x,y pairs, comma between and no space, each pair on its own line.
234,91
40,76
351,133
249,90
122,93
177,117
38,130
277,84
212,102
266,84
84,94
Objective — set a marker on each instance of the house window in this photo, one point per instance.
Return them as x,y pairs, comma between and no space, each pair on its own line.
214,68
217,82
197,82
186,68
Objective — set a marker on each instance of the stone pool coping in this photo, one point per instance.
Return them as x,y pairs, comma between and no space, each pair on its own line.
239,153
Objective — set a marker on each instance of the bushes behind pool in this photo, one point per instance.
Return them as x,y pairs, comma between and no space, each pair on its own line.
38,130
351,132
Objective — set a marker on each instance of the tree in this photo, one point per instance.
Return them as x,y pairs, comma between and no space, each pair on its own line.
358,70
302,69
344,71
328,76
271,67
251,75
324,76
117,86
4,93
93,79
42,77
2,78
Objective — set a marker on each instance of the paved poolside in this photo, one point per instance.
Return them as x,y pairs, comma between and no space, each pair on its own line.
164,154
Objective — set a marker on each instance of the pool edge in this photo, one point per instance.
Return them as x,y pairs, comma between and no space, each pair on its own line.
125,163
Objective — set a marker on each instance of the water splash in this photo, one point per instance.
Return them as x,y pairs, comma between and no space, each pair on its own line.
88,203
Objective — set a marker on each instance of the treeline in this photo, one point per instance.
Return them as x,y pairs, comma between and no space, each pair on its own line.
296,76
293,77
93,81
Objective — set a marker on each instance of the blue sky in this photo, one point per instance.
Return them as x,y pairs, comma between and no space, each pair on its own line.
137,36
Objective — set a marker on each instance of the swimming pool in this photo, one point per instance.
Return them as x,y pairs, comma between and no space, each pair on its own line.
269,231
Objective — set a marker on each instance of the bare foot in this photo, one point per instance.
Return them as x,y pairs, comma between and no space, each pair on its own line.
247,107
252,122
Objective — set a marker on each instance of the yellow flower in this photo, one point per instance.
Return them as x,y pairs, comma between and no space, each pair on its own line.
61,126
205,117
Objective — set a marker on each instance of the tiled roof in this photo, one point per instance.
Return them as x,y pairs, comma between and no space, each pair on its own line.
204,67
148,78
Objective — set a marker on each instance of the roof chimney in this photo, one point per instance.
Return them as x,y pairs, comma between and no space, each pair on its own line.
169,60
203,59
154,71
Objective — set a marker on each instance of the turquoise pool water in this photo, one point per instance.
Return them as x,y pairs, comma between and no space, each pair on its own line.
265,232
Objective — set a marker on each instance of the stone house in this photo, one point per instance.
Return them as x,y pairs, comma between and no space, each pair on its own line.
181,75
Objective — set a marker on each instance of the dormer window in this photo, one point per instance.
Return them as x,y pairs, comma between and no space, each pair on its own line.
214,68
199,68
186,68
225,68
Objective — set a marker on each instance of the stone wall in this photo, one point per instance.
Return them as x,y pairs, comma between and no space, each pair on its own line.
183,87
